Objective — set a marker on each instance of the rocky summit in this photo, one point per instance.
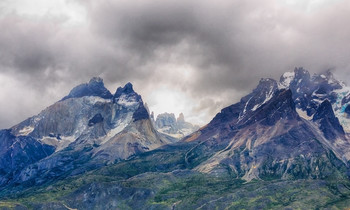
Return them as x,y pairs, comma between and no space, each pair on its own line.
285,145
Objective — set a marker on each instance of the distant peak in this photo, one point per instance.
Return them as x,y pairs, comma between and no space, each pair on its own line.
96,80
181,118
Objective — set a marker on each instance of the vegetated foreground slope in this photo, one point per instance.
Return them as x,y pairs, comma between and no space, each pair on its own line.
283,146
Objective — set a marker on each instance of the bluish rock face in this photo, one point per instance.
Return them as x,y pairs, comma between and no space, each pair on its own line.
141,114
328,123
347,110
94,88
96,119
280,106
16,152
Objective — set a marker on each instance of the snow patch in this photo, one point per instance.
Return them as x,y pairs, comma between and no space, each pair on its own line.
318,100
96,99
186,131
36,120
319,95
82,125
244,110
256,107
120,125
287,79
127,101
26,131
59,144
268,96
303,114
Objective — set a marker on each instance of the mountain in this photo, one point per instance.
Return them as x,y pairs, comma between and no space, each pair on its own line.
176,127
285,145
88,128
280,130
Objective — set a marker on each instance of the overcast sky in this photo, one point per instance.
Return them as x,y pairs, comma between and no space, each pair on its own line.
194,57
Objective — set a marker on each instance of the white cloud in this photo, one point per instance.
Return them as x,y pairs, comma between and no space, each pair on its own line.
194,57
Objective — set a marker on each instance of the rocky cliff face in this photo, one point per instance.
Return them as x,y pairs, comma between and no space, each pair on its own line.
16,152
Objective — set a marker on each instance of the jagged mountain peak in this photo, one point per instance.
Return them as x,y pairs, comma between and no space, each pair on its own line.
299,75
126,96
127,89
181,118
309,92
280,106
95,87
328,123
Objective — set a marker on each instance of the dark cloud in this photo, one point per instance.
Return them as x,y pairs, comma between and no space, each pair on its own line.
212,51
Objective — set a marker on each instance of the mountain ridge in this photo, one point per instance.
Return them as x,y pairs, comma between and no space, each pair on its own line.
284,145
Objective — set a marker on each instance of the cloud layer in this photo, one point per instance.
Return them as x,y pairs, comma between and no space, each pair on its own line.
198,56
